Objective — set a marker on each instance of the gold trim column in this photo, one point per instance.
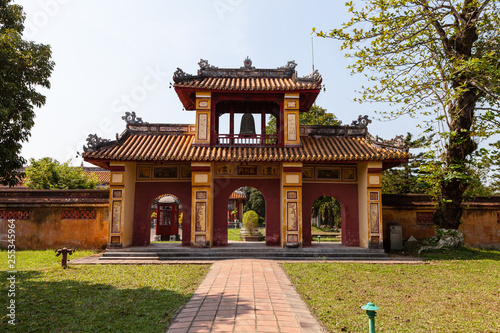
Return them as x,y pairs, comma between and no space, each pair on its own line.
203,122
121,204
374,202
202,199
291,204
291,119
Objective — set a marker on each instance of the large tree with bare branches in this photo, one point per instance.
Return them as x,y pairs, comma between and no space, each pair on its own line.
440,58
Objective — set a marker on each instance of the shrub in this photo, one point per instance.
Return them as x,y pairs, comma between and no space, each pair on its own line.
250,220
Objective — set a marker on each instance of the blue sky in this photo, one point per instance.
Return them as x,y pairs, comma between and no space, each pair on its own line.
114,56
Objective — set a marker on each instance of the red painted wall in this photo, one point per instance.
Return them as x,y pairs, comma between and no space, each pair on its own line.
270,188
145,193
347,195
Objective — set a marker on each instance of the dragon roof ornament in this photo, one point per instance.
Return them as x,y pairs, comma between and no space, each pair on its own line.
396,144
131,119
94,142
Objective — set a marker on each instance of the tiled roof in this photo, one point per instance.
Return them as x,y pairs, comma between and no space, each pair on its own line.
249,84
103,176
246,79
171,147
237,195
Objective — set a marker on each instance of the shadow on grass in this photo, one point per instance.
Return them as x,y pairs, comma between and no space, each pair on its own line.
81,306
464,253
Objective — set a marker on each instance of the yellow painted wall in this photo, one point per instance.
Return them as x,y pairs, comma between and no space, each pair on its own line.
46,230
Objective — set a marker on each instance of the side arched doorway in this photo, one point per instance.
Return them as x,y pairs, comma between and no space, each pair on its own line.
346,195
145,194
168,214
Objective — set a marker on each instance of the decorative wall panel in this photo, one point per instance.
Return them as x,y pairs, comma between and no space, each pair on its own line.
374,218
116,217
201,217
75,214
292,216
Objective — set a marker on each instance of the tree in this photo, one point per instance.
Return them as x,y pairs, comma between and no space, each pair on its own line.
255,201
407,178
315,116
50,174
439,58
328,209
23,66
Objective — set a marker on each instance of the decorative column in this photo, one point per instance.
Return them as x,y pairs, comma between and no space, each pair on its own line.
291,204
374,196
202,200
291,120
203,118
122,191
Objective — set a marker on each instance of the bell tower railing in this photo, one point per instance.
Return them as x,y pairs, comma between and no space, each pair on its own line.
247,140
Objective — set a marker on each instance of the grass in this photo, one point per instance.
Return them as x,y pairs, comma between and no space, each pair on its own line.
95,298
326,235
446,295
323,231
233,234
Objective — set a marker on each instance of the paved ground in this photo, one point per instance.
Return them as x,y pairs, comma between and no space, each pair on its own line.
247,295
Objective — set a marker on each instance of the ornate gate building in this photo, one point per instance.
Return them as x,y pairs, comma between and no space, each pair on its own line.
203,163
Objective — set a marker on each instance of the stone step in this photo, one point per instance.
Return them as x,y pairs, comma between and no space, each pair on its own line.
346,258
244,250
210,254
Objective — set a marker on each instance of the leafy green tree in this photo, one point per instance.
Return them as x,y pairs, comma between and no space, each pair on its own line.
255,201
441,59
328,209
23,66
315,116
407,178
47,173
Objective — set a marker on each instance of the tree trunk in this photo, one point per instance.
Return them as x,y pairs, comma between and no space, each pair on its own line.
460,143
454,179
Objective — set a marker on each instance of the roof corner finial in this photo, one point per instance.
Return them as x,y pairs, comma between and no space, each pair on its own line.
248,63
362,121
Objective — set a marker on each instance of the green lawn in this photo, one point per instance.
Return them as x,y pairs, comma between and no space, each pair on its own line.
445,295
95,298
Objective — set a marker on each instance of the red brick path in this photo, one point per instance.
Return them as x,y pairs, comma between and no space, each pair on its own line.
247,295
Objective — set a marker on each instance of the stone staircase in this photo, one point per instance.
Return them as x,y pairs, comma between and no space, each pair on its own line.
243,250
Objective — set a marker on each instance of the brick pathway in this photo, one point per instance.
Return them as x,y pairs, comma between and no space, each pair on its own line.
247,295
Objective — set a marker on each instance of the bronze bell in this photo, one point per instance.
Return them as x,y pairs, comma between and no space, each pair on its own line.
247,124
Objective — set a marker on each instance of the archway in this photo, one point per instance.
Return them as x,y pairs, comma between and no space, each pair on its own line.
347,196
241,201
145,194
326,220
270,189
167,214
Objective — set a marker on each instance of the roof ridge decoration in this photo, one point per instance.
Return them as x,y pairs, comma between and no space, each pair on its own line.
396,144
247,71
95,142
357,128
131,119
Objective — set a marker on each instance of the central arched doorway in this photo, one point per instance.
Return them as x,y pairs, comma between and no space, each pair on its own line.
270,190
242,201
